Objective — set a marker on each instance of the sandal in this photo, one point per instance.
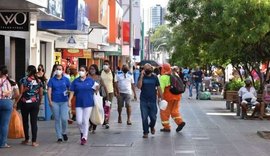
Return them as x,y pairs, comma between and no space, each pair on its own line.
129,123
35,144
25,142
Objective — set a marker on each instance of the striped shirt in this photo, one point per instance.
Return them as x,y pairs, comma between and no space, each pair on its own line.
5,89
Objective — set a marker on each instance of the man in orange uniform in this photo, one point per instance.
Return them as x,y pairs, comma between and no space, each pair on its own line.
172,99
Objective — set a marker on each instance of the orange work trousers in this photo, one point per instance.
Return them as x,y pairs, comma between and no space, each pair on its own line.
173,111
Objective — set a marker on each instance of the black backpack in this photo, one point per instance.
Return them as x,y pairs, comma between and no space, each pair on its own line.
177,86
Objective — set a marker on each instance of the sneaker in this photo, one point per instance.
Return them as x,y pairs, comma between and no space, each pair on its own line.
65,137
83,141
165,130
107,126
145,135
59,141
180,127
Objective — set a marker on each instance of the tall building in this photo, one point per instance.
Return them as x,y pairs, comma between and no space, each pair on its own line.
157,14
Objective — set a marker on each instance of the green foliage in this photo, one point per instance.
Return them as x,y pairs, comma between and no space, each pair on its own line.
219,32
235,85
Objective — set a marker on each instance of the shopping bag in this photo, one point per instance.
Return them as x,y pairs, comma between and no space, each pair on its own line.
97,114
15,126
107,109
163,105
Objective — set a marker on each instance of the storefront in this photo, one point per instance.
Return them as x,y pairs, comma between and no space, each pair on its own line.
73,33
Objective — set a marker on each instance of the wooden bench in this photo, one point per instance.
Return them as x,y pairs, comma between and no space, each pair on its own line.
233,99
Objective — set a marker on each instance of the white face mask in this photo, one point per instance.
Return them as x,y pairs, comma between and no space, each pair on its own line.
58,72
105,67
81,73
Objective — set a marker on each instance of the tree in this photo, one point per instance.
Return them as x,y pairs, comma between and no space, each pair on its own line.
220,31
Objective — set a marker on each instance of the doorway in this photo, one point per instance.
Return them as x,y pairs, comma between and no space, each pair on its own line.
2,50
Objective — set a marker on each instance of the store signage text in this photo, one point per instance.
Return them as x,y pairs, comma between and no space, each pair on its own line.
14,21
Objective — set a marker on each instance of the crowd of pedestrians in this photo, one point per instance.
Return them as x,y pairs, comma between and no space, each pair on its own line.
71,97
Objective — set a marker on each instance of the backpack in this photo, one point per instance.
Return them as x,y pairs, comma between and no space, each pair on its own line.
176,85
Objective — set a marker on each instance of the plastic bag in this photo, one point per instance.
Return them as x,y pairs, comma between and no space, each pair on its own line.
107,109
163,105
15,126
97,115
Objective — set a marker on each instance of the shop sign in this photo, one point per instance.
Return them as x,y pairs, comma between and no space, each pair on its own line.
57,57
99,55
72,53
72,41
14,21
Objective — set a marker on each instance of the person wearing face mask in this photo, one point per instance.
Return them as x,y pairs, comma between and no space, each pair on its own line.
107,76
248,96
124,86
149,85
31,90
83,88
94,74
58,87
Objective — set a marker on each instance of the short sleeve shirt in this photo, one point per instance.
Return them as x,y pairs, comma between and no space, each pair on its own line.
59,88
83,92
242,91
108,80
149,89
4,87
32,88
124,82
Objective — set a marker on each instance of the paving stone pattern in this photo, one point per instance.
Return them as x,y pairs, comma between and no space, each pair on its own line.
211,130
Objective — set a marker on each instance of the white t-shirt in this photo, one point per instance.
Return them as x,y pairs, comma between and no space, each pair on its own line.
124,82
244,93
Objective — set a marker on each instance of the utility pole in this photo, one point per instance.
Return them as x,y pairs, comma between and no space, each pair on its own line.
130,35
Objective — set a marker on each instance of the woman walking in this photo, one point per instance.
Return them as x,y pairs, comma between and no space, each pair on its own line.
83,89
58,87
6,93
31,95
95,75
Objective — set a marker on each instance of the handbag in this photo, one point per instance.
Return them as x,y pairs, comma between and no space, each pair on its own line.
15,126
97,114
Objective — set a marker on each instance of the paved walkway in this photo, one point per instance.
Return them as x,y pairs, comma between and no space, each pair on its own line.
210,131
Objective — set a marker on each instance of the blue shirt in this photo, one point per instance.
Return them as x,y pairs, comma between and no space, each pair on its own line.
59,88
83,91
149,89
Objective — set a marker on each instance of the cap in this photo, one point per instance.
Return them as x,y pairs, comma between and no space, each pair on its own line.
166,69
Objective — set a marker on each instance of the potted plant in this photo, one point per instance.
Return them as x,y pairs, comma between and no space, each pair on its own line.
232,90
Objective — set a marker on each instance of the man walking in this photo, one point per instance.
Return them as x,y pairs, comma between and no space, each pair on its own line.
173,100
123,89
107,76
149,85
198,77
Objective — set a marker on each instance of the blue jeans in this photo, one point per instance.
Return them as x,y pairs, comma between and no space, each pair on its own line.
190,87
148,109
198,86
60,111
5,114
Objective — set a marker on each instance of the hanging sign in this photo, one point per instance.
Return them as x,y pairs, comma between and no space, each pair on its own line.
14,21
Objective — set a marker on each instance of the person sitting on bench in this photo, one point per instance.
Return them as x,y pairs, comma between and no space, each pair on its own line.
248,98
